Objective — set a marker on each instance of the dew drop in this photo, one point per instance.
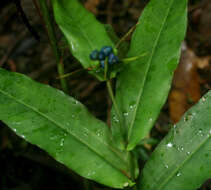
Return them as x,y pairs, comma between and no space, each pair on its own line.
91,173
23,136
178,174
166,166
188,153
62,142
125,184
132,106
169,145
150,120
203,99
76,102
200,132
99,133
68,124
180,148
15,130
61,92
73,116
115,119
125,114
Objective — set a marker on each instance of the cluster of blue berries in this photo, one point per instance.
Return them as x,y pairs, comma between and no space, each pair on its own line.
105,52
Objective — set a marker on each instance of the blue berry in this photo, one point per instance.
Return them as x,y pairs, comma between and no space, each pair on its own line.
102,63
107,50
101,56
94,55
113,59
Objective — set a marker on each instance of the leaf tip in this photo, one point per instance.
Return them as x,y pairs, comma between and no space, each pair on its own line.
130,147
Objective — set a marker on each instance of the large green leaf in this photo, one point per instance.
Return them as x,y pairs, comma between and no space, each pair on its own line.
183,158
63,127
83,32
142,86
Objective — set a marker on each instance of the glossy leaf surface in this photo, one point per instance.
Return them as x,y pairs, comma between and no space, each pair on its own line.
183,158
63,127
83,32
142,87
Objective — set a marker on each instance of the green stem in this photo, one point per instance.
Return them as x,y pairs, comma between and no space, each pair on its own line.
126,35
52,38
110,91
130,59
106,70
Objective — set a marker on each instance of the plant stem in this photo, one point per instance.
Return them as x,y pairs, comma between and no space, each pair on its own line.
106,70
52,38
110,91
126,35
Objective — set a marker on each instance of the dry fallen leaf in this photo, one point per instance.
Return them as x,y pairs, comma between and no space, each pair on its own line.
91,5
186,86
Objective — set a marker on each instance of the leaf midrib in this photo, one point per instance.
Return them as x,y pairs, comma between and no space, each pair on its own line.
76,137
147,71
182,164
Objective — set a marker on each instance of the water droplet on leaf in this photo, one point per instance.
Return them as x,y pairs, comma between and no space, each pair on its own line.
125,184
115,119
125,114
99,132
62,142
178,174
169,145
23,136
203,99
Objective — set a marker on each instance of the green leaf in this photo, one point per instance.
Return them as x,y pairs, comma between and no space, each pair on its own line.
63,127
142,87
183,158
83,32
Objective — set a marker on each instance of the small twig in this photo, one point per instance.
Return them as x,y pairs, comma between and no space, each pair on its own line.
44,12
25,20
126,35
11,48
